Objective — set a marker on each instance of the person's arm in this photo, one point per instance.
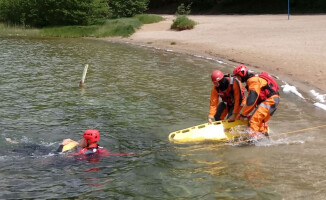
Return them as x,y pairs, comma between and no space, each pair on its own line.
213,104
82,143
254,87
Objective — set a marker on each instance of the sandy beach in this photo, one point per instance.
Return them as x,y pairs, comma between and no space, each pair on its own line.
294,50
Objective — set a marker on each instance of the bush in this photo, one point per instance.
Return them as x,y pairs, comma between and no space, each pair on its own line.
183,10
182,23
127,8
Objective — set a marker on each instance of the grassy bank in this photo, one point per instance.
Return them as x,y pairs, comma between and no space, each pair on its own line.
114,27
18,31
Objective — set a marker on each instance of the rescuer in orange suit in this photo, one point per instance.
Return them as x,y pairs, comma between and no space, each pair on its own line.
263,97
232,94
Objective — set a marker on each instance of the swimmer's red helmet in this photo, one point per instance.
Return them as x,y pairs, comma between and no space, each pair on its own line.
91,136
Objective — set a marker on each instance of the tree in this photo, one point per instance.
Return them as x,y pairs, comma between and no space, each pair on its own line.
40,13
127,8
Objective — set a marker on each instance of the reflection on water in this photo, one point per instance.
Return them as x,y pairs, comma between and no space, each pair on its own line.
136,97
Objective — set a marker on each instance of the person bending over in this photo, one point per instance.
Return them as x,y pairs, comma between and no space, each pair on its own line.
232,94
263,99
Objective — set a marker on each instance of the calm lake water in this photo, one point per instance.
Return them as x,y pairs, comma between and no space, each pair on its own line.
136,96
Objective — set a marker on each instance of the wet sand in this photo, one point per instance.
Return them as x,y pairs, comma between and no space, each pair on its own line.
294,50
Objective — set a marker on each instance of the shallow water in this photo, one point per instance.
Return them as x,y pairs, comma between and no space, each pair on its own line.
136,96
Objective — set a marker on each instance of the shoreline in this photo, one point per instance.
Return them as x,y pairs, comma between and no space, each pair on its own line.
293,50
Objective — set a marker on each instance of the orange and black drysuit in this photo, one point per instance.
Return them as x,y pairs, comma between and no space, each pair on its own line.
263,96
231,97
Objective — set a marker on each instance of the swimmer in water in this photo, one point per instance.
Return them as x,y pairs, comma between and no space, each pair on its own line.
88,144
88,147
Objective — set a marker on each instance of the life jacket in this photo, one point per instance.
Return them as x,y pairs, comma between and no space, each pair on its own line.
93,150
227,95
270,89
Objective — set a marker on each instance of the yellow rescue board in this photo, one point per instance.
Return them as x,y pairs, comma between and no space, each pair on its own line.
217,131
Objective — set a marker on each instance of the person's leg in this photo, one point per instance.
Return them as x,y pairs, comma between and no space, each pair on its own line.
263,113
256,121
221,112
230,110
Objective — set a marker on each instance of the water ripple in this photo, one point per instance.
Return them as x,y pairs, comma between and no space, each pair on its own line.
135,96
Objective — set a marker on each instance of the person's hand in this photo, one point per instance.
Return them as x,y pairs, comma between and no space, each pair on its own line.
232,118
82,143
210,120
242,117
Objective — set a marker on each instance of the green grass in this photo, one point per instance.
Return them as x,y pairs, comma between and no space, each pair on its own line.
114,27
117,27
69,31
18,31
149,18
182,22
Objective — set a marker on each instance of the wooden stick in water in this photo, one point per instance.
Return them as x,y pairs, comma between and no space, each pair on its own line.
81,83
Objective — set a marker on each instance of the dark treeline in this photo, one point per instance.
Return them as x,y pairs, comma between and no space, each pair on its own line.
39,13
43,13
240,6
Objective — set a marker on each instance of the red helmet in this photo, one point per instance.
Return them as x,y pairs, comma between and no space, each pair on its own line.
240,70
91,136
216,76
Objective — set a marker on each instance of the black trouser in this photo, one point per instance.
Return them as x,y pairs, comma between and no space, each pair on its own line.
220,109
